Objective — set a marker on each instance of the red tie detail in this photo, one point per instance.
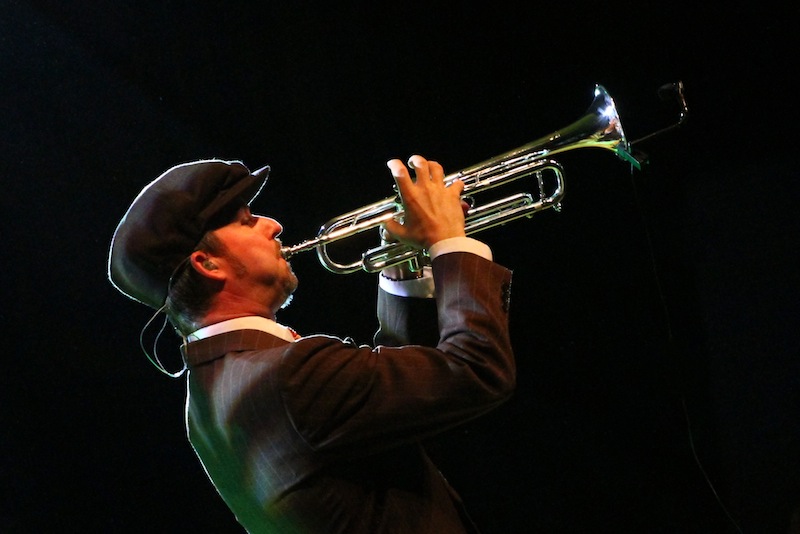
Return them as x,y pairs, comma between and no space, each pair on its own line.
294,333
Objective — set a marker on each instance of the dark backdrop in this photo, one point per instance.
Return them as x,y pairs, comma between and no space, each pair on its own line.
655,316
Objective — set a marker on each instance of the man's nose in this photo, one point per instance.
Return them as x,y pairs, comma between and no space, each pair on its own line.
273,227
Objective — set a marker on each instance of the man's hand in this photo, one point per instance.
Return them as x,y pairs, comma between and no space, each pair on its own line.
433,212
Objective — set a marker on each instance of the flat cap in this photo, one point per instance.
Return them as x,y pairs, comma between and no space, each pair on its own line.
168,219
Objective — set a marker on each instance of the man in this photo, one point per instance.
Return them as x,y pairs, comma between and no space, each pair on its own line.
316,434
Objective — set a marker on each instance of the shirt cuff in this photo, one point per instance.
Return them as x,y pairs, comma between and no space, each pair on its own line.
423,287
460,244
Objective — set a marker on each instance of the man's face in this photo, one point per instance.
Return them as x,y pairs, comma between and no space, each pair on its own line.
253,258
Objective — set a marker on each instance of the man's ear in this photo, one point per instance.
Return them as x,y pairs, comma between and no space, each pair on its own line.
203,264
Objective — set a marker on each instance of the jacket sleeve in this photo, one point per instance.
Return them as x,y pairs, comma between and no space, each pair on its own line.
406,321
340,395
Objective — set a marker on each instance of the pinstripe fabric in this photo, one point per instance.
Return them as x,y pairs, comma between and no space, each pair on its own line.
321,435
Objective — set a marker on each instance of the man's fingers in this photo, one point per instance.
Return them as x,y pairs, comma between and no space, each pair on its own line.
426,170
394,229
397,169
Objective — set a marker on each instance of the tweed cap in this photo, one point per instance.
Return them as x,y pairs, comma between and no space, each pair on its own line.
168,219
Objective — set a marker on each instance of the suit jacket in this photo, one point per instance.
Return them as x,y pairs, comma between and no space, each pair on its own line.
322,436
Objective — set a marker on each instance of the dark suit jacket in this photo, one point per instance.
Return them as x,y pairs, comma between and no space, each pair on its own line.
321,435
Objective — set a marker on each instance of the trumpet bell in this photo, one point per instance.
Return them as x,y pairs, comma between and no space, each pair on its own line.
599,127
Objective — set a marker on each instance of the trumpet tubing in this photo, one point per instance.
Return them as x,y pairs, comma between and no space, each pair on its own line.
599,127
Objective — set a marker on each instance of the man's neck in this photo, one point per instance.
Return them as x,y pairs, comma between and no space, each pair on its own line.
230,306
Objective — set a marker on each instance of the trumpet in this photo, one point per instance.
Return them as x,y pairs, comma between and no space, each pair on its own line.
599,127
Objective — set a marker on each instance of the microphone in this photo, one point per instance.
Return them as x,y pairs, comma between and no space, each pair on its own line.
670,91
674,90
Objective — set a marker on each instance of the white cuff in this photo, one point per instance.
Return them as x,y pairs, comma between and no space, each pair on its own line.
460,244
423,287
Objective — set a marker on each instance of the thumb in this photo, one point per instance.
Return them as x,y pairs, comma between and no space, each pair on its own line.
395,229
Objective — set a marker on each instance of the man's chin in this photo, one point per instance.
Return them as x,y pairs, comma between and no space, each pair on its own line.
287,302
290,289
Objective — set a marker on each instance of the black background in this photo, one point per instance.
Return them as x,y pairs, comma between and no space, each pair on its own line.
655,317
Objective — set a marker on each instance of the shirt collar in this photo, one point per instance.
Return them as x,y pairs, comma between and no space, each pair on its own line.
252,322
